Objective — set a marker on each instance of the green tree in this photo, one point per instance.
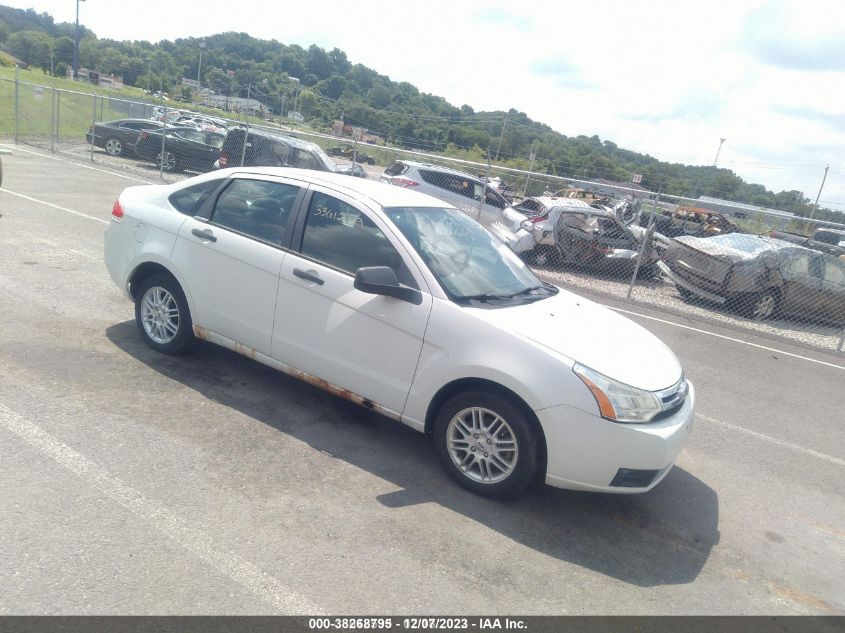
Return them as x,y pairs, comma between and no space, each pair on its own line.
31,47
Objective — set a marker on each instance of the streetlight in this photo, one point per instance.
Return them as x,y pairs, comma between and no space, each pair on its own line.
721,141
76,43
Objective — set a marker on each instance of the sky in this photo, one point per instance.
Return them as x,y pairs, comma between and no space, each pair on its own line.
669,78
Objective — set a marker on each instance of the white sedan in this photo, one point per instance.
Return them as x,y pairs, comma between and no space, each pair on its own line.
396,301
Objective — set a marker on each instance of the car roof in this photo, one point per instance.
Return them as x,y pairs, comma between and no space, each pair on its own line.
447,170
380,193
559,201
279,136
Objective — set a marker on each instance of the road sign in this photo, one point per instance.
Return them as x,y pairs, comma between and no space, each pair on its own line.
637,178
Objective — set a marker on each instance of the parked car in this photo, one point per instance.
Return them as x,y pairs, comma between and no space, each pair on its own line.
824,239
202,122
277,150
571,231
118,137
470,195
758,276
690,221
399,302
349,152
184,148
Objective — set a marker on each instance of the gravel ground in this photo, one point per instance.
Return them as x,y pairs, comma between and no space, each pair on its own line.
657,293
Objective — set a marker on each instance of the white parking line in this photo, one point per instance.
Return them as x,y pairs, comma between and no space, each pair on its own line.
727,338
54,206
160,517
774,440
18,148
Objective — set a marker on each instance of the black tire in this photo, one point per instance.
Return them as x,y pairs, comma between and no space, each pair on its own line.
760,306
184,337
520,427
114,146
686,295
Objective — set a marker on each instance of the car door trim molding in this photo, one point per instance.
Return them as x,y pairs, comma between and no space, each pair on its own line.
207,335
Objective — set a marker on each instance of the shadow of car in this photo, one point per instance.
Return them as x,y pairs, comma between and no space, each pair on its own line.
661,537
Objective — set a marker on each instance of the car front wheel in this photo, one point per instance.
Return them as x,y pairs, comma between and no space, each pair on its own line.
162,315
487,443
761,306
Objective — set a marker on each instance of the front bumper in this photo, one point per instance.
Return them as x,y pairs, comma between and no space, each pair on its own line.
683,283
586,452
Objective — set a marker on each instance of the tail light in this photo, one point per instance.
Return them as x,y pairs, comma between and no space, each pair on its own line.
223,159
117,209
403,182
143,135
539,218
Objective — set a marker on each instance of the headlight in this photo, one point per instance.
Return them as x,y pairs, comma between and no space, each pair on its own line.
617,401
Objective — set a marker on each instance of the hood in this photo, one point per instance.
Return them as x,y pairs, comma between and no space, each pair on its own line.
594,336
719,248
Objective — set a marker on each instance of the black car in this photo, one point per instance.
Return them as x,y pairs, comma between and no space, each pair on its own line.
184,148
349,152
758,276
118,138
261,148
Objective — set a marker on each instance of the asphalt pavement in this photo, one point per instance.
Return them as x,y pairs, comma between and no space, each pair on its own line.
136,483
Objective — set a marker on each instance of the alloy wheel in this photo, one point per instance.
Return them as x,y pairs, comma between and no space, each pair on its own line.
763,308
114,147
169,161
160,315
482,445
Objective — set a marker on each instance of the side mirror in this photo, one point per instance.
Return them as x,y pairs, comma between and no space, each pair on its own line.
382,280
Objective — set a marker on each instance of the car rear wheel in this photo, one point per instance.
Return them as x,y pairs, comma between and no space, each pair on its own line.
487,444
162,315
170,162
113,146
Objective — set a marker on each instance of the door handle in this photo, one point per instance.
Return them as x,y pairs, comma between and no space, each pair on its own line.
205,234
308,276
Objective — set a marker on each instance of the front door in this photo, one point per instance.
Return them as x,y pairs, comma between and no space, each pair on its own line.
366,344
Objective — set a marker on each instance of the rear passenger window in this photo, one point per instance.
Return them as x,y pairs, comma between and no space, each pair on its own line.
256,208
799,263
190,199
341,236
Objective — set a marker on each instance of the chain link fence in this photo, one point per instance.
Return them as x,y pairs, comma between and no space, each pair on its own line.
743,267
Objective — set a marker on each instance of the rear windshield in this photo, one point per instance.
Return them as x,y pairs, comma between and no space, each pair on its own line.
829,237
396,169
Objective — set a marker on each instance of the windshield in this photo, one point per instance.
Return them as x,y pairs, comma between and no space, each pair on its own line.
470,264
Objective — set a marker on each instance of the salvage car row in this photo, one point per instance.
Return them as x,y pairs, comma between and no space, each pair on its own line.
707,257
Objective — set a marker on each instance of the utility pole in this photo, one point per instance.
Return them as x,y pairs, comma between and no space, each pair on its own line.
76,44
816,203
199,66
501,134
51,64
721,142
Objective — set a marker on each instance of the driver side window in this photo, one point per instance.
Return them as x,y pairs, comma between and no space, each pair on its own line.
343,237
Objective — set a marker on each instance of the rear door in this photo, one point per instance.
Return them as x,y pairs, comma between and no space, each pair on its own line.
366,344
231,255
802,272
833,289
